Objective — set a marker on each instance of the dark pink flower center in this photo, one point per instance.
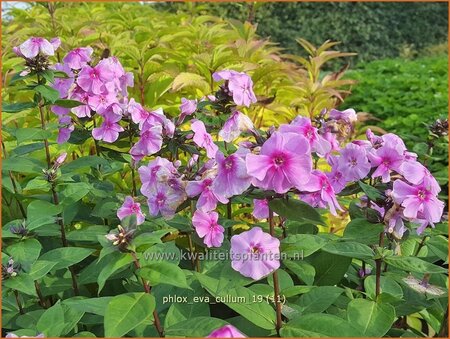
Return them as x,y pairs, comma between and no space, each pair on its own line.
279,160
422,194
228,163
160,199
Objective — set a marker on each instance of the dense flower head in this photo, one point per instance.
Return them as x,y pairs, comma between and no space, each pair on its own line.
254,253
206,226
283,163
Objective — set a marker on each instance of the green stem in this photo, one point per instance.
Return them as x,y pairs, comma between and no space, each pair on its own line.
148,290
276,285
19,304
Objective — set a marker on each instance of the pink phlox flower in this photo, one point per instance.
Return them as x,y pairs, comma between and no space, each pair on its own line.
227,331
95,79
261,209
157,171
207,227
313,199
336,179
304,127
35,45
418,199
207,200
109,129
353,162
239,84
101,102
254,253
130,207
149,143
375,140
283,163
158,117
236,124
348,115
417,174
232,178
164,200
79,57
319,182
394,140
386,159
63,85
83,110
203,138
187,107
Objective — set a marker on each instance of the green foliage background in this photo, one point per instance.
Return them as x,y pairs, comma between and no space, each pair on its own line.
374,30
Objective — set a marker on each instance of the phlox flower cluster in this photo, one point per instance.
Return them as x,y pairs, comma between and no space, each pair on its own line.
281,161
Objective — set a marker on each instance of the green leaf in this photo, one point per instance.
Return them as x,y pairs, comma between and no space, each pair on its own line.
39,184
318,325
414,264
66,256
23,165
40,213
89,233
25,252
26,134
164,273
48,75
127,311
67,103
196,327
370,191
241,300
179,312
363,231
302,245
296,210
22,283
17,107
89,305
74,191
330,268
48,93
349,249
40,268
115,261
387,286
372,319
319,299
51,323
303,270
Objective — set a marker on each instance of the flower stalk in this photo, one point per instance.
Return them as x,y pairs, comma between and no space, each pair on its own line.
276,285
147,289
